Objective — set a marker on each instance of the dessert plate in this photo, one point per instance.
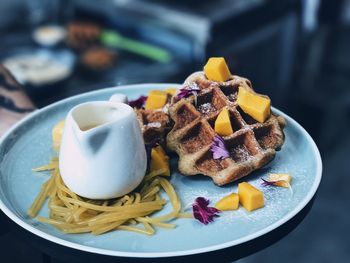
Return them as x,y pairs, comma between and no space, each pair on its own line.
28,145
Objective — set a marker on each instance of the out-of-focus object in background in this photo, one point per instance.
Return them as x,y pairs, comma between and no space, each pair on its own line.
82,35
14,103
114,39
40,67
49,35
41,12
98,58
309,14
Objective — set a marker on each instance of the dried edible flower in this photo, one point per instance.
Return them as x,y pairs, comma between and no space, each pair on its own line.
202,212
186,91
282,180
218,148
277,183
269,183
139,102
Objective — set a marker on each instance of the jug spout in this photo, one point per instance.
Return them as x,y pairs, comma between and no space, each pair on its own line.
93,142
92,115
93,121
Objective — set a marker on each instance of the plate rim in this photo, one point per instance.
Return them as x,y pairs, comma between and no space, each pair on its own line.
210,248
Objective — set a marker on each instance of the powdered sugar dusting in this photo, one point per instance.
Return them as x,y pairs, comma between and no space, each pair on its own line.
240,153
206,108
233,96
154,124
165,109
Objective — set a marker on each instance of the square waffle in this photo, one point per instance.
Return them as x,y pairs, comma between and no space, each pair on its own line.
154,124
251,146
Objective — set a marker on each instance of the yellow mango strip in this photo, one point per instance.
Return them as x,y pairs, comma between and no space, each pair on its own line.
250,197
57,132
216,69
159,160
256,106
171,91
223,124
156,100
229,202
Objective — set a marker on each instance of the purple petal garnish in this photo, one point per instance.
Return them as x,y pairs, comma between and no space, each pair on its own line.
268,183
186,91
218,148
202,212
138,103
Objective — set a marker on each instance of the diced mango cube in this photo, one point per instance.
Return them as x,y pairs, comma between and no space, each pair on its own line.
250,197
159,160
229,202
282,180
256,106
156,99
216,69
57,132
223,124
171,91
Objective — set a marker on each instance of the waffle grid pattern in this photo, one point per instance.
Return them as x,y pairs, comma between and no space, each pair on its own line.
251,146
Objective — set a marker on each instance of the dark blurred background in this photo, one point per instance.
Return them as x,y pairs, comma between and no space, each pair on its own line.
297,52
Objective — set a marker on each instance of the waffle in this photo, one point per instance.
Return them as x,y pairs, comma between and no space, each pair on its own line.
154,124
251,146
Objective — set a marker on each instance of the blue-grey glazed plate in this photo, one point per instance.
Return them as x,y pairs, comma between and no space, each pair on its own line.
28,145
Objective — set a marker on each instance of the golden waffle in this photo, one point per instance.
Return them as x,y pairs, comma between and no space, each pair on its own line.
154,124
250,147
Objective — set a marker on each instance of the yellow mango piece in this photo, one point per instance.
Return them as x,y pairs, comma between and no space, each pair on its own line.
156,99
229,202
216,69
250,197
171,91
159,160
57,132
256,106
223,124
282,180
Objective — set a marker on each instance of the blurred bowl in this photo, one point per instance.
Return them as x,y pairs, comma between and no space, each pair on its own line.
40,67
49,35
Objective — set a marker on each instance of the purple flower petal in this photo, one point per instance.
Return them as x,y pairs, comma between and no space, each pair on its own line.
268,183
139,102
186,91
202,212
218,148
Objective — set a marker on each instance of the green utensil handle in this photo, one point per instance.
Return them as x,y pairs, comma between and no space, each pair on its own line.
113,39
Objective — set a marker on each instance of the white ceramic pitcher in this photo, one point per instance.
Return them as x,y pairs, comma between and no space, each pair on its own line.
102,153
